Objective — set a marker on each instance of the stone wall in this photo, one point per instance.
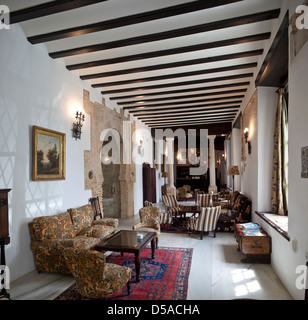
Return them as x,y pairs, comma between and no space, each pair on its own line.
103,118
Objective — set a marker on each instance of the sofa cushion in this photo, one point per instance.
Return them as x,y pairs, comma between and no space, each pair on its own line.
53,227
101,231
111,222
82,217
97,231
55,247
80,242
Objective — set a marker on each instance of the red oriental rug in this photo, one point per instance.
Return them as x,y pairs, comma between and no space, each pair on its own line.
164,278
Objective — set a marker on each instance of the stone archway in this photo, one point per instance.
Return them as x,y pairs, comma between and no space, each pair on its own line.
111,184
103,118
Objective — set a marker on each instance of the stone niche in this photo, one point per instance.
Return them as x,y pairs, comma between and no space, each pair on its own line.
118,189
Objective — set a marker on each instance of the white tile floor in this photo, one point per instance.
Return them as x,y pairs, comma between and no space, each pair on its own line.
216,272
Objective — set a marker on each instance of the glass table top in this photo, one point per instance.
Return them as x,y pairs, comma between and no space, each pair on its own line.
127,239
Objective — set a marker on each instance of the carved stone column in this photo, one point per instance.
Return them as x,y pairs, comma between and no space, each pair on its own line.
171,190
212,186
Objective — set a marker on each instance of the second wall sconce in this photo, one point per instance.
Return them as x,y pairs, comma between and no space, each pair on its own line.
246,132
140,149
80,117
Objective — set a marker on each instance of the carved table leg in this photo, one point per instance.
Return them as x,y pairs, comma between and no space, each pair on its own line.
153,247
137,265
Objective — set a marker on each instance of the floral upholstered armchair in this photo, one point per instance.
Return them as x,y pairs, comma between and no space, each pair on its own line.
94,277
149,221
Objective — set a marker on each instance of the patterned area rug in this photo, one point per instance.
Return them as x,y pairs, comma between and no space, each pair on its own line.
164,278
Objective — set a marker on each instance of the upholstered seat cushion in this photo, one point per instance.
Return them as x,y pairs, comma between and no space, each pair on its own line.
55,247
52,227
97,231
138,227
111,222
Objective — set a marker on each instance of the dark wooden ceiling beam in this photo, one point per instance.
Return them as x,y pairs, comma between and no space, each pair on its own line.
216,25
177,103
175,84
197,107
191,96
129,20
215,129
174,75
162,53
200,120
48,8
167,112
164,125
178,64
274,70
188,117
184,113
154,94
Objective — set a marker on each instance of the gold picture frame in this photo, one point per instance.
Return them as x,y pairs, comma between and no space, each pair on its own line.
48,154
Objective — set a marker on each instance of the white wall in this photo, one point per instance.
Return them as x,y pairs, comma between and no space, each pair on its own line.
286,255
298,187
38,90
236,156
267,106
260,189
228,156
249,167
143,133
257,169
256,178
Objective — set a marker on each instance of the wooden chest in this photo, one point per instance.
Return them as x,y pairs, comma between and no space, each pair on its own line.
256,244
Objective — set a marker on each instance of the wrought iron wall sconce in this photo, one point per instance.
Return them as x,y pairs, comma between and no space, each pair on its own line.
80,117
140,149
246,132
164,175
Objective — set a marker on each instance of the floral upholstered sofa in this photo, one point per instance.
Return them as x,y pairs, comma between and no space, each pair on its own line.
75,228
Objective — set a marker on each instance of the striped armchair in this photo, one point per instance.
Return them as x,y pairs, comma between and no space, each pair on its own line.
203,200
171,204
206,221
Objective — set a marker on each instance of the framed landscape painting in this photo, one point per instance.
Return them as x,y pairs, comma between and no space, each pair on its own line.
48,154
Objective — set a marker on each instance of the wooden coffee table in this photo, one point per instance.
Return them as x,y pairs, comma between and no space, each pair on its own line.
129,241
194,209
